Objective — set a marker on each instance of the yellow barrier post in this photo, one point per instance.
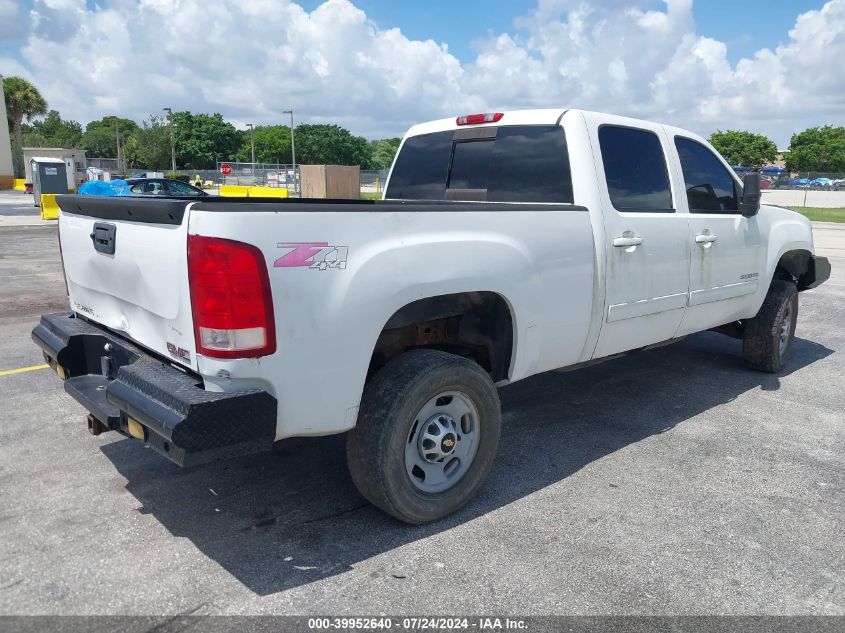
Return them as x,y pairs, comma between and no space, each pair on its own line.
19,184
267,192
49,208
243,191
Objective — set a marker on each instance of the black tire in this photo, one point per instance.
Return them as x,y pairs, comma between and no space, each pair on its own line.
761,341
391,401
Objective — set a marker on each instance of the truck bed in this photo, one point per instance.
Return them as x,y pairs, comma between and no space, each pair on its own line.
171,210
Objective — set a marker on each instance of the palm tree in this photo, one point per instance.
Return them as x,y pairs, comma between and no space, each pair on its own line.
22,100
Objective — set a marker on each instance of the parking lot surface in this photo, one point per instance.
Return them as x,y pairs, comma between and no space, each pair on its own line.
674,481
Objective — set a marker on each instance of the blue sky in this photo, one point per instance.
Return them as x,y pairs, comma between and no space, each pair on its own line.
744,26
693,63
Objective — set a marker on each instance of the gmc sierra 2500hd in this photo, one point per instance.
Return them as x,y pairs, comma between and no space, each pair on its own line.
507,244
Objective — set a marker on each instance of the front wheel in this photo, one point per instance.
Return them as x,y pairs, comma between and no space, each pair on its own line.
426,437
768,337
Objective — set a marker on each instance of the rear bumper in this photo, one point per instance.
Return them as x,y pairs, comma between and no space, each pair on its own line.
115,381
818,273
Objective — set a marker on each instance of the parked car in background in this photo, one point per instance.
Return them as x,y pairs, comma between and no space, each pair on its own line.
162,187
782,182
822,183
800,183
838,184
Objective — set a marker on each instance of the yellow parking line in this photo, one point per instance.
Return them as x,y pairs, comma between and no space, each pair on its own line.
21,370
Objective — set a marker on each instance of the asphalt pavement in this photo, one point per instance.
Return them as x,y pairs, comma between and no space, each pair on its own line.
674,481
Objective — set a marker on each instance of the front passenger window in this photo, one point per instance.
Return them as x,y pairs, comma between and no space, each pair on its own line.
710,187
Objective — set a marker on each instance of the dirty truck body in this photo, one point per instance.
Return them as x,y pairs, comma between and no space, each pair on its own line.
507,245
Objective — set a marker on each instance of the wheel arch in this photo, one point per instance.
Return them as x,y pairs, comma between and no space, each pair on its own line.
795,265
478,324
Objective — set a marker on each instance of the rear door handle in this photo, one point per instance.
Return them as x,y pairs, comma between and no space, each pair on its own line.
705,238
625,241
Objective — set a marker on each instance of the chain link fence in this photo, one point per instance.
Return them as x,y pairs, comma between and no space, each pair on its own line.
372,181
258,174
813,180
804,189
111,165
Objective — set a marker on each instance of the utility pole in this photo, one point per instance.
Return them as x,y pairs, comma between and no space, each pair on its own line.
172,139
252,142
292,146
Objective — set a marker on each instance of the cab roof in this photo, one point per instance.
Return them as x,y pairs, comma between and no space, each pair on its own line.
511,117
547,116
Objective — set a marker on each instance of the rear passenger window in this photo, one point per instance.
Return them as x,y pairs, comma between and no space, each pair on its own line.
523,163
530,164
710,187
635,169
421,168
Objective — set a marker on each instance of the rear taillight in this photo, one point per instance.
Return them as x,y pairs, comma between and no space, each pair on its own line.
230,298
475,119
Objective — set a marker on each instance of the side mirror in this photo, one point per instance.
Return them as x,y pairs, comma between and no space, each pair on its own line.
750,204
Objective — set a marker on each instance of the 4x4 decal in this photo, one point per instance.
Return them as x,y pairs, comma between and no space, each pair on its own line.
316,255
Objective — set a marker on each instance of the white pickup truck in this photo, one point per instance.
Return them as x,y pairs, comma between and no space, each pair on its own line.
507,244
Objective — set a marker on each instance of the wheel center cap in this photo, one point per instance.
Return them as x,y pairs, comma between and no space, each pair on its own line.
447,444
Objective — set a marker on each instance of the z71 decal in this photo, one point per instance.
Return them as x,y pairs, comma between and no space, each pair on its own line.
315,255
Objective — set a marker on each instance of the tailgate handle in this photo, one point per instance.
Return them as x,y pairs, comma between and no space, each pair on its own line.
103,237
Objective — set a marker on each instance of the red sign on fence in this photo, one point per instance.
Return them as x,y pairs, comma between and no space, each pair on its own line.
225,169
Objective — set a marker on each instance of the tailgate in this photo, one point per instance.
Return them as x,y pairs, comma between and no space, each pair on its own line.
125,262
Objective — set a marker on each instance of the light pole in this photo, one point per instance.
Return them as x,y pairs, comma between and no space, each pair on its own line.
292,146
252,142
117,139
172,139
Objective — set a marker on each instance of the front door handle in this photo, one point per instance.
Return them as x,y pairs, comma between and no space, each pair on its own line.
626,241
705,238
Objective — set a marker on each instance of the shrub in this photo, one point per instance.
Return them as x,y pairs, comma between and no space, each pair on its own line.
175,176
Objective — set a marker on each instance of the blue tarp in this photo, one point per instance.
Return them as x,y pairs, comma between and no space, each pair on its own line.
773,169
102,188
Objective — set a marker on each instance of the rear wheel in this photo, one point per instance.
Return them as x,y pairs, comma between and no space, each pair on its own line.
768,337
426,437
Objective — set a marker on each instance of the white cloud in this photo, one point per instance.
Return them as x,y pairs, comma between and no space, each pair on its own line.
251,60
11,18
614,57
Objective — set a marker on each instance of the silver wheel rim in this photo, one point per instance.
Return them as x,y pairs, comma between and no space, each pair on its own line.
785,329
442,442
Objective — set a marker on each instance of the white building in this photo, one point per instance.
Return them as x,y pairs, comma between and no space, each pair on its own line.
6,171
74,159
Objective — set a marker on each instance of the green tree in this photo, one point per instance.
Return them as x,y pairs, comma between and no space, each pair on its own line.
23,101
202,139
132,153
52,131
31,138
100,138
331,145
817,149
272,145
744,148
383,151
149,146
